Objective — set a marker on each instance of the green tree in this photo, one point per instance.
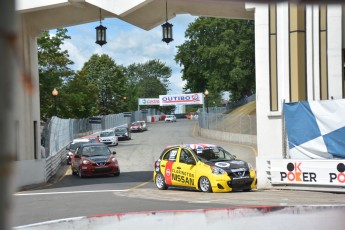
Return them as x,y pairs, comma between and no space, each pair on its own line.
53,68
218,55
109,79
80,97
147,80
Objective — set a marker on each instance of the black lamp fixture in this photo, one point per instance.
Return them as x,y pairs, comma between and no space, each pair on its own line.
167,27
101,32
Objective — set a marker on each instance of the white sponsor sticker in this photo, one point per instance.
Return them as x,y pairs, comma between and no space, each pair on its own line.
222,164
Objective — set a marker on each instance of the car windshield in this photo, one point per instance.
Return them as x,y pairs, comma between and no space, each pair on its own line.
107,134
74,146
89,151
214,154
120,130
136,123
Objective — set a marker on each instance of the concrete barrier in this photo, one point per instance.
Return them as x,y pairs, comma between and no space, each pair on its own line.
272,217
229,137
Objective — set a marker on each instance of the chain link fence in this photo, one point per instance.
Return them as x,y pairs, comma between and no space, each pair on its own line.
242,124
58,133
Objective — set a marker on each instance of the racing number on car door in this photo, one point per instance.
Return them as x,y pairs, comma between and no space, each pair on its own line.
183,172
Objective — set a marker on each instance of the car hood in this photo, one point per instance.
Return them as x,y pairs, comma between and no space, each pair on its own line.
119,133
107,138
231,165
98,159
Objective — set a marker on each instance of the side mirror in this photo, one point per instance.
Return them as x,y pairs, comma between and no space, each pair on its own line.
114,152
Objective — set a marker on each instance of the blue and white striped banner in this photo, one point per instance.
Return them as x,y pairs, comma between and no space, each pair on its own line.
316,129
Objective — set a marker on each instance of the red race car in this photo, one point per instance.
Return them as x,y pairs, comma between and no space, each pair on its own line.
93,159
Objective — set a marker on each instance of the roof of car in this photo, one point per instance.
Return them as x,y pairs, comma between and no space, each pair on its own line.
107,130
93,144
77,140
194,146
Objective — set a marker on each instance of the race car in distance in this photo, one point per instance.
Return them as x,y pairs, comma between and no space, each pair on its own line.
94,159
205,167
137,127
108,137
72,147
144,125
123,133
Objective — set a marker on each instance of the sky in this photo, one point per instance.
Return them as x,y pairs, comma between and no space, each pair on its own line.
128,44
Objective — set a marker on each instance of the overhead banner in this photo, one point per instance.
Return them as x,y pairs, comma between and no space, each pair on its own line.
148,101
308,172
181,99
315,129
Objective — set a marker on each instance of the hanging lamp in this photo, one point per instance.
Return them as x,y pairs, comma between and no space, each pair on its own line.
101,32
167,27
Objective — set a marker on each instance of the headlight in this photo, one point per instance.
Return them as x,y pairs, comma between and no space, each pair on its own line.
218,171
113,159
86,162
250,167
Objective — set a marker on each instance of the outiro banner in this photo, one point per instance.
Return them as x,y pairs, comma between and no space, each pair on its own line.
181,99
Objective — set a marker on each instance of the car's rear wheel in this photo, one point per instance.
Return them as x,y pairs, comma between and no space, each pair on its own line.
160,182
205,184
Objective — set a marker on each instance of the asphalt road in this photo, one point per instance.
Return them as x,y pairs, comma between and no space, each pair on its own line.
133,190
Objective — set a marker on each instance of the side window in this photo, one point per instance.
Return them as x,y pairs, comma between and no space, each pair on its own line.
171,155
78,151
185,155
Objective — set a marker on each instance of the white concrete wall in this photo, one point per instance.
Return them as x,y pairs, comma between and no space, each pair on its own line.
269,132
29,172
334,50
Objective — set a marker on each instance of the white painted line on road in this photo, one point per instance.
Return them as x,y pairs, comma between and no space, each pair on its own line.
70,192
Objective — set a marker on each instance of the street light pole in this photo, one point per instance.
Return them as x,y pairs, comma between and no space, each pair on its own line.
55,94
206,100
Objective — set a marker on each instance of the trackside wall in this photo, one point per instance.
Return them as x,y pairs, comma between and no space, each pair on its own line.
272,217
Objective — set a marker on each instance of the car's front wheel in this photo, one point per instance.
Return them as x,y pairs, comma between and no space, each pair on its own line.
117,174
160,182
205,184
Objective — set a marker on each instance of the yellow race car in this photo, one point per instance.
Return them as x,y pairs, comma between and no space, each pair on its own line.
205,167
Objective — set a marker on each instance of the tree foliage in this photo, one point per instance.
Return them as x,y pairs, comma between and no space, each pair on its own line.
103,73
147,80
80,98
53,68
218,56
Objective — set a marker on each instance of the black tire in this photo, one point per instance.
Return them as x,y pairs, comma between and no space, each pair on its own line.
205,184
160,182
117,174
